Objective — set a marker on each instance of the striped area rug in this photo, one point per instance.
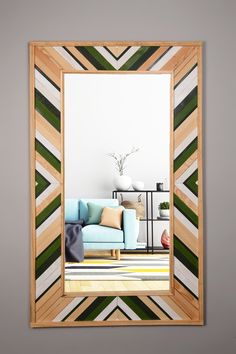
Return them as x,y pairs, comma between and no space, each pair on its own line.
127,268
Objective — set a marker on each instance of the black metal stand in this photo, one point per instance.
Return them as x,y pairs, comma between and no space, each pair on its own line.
149,218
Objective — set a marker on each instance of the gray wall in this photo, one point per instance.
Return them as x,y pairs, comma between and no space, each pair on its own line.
211,21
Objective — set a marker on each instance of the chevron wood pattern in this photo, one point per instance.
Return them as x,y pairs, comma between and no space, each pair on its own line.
49,306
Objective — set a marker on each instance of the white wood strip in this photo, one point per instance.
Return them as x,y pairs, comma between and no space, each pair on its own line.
159,301
186,222
48,145
68,58
48,277
46,174
187,192
185,87
127,310
48,221
180,148
107,56
47,89
169,55
187,173
107,310
127,56
186,277
68,309
45,194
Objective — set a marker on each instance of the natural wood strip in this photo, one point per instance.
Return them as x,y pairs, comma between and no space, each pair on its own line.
185,128
49,294
48,166
48,131
186,236
175,307
49,235
185,62
48,65
55,309
186,200
81,308
186,294
154,308
64,64
153,58
117,50
48,200
178,58
47,305
186,306
81,58
185,166
184,67
117,316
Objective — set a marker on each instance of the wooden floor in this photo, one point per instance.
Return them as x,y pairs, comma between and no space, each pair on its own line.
117,285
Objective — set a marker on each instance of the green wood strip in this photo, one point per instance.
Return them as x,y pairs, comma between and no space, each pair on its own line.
48,262
139,58
48,211
185,210
95,58
136,57
47,110
186,256
144,312
185,154
95,308
185,108
48,256
191,183
41,185
47,155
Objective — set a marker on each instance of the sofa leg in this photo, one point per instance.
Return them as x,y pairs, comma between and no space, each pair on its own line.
113,253
118,255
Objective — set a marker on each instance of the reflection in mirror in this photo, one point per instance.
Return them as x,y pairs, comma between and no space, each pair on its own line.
117,181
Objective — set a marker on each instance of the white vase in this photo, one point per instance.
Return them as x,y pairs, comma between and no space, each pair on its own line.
122,183
138,186
164,213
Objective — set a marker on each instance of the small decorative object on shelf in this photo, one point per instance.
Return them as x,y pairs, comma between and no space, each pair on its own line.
138,206
122,182
165,239
160,187
138,185
164,209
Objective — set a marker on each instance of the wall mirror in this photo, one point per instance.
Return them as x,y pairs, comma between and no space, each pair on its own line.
116,183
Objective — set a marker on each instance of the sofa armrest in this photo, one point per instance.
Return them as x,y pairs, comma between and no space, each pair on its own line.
131,228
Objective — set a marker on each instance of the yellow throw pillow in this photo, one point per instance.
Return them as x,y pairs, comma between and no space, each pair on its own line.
112,217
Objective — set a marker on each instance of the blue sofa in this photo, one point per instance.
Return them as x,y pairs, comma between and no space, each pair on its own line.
97,237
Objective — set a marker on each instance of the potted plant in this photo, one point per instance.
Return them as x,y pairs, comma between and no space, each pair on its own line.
122,182
164,209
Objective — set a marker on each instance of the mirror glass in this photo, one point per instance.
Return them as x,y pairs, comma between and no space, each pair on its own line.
117,181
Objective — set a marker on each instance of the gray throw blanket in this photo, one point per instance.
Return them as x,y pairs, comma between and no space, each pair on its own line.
74,247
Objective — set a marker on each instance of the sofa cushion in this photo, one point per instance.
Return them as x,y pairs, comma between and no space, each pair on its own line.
94,213
97,233
83,205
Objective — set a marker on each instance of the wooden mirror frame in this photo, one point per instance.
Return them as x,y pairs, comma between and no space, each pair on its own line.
50,307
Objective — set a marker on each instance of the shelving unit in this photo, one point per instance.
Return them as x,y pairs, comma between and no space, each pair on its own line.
149,217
